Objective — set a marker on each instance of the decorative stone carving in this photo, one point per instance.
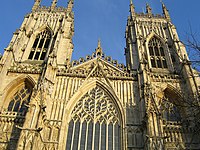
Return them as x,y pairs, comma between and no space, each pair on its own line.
25,68
96,105
110,68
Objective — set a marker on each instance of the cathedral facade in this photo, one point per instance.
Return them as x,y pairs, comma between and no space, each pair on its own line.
49,102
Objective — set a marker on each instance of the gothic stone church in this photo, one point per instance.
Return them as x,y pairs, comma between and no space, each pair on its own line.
49,102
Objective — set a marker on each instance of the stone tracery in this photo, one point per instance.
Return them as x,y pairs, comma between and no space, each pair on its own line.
96,116
157,54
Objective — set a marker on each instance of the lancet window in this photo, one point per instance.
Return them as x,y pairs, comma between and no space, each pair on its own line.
20,100
94,123
40,46
157,54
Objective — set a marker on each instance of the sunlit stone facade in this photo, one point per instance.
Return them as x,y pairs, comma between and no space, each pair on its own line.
49,102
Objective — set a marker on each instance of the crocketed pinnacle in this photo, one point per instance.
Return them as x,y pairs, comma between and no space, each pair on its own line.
99,49
166,12
132,8
36,5
70,5
54,4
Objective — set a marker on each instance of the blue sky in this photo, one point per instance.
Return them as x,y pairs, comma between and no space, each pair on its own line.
104,19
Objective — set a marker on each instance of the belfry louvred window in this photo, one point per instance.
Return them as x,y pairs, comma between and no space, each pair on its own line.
94,123
157,54
40,46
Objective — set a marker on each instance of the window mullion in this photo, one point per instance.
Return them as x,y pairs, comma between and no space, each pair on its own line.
113,136
159,51
154,56
94,122
93,138
106,136
21,101
42,49
100,137
80,133
161,59
14,105
86,136
73,135
36,49
154,53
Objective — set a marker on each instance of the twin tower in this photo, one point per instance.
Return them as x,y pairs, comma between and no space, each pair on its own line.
49,102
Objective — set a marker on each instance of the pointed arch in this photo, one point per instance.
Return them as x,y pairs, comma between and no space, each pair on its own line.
16,98
97,115
170,103
42,28
88,86
12,87
42,41
174,90
156,51
153,34
170,88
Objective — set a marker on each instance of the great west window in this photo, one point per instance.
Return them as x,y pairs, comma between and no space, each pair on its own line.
157,54
94,123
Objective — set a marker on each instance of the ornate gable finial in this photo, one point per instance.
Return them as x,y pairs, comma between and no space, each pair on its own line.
99,50
99,43
36,5
148,9
165,12
53,5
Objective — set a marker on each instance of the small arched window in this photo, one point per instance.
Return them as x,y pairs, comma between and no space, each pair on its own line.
17,108
20,100
40,46
157,54
170,110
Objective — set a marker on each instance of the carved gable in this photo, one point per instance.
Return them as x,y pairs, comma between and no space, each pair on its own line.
98,68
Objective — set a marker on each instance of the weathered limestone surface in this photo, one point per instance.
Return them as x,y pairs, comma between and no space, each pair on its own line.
48,101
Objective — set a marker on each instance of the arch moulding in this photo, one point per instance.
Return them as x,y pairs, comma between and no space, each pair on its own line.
171,88
12,86
78,95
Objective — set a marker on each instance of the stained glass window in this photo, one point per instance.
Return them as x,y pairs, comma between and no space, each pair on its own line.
94,123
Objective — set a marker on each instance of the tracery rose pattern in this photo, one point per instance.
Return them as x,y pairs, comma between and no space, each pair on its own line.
94,123
95,105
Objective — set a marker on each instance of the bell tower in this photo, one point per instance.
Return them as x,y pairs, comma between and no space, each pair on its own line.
155,54
45,37
46,32
41,46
